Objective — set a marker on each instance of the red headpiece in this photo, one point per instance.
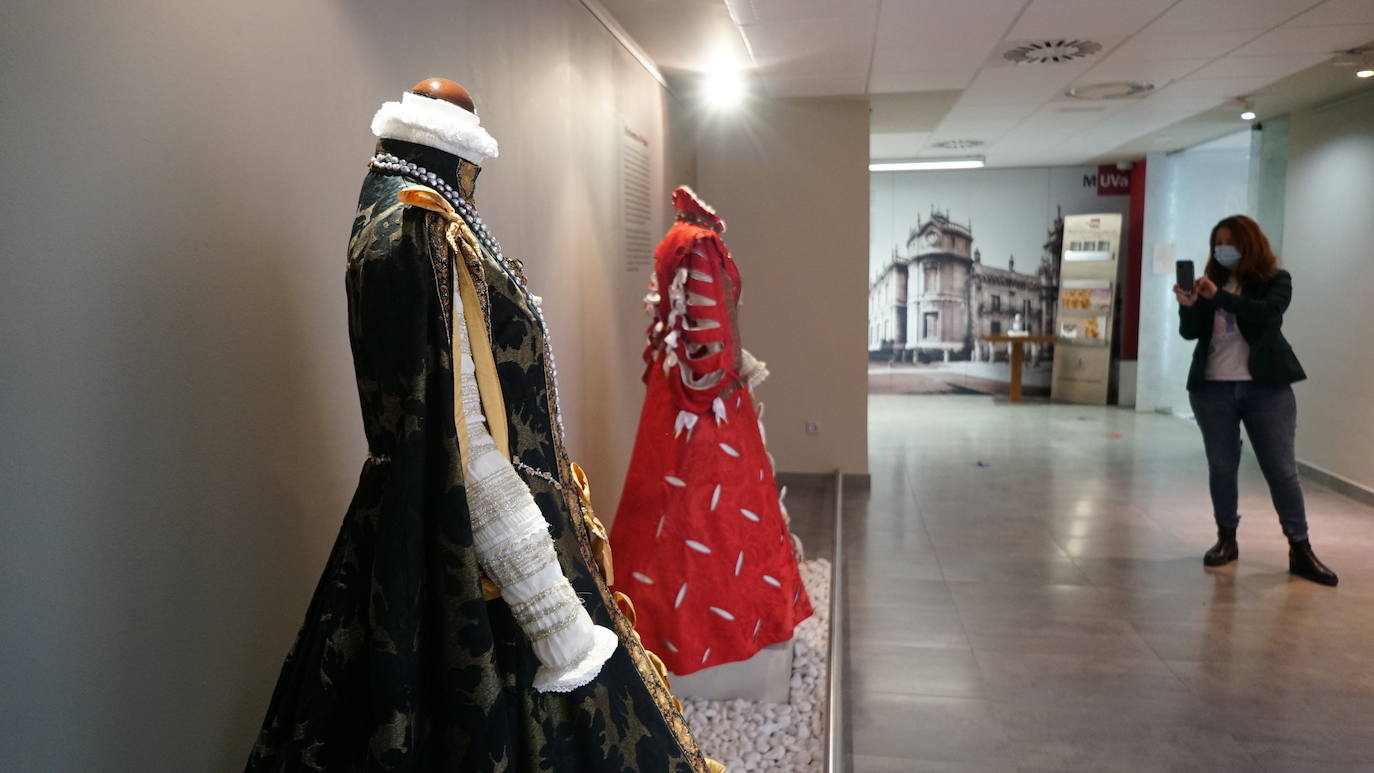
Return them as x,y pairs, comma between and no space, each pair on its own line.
692,209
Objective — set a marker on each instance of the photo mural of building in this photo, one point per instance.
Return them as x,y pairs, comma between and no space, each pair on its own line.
955,256
936,299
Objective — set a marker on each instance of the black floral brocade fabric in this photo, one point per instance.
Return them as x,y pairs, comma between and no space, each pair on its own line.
401,664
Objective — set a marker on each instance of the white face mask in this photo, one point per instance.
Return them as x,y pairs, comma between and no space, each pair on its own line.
1226,255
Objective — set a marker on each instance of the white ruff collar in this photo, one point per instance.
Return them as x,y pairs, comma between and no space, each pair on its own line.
436,124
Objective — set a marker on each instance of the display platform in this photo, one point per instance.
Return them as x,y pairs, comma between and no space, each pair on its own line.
764,677
748,735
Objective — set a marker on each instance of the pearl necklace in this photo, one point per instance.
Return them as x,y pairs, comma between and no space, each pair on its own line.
386,162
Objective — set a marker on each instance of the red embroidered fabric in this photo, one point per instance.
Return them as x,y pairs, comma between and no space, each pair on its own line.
700,542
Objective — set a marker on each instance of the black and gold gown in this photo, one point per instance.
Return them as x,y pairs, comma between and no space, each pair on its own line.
405,662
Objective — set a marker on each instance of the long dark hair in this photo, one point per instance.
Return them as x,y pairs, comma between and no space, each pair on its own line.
1257,259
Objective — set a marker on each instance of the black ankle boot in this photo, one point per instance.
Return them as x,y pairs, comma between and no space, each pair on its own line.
1225,551
1305,564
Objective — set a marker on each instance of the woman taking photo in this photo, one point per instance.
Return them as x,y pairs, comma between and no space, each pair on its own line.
1242,373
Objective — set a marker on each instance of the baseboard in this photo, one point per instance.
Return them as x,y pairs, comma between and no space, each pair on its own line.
1340,485
860,482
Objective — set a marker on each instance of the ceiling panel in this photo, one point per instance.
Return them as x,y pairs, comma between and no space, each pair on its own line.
1272,67
1054,123
896,145
1019,85
955,128
818,62
942,23
1309,40
1225,88
782,42
1091,19
755,11
1009,147
898,82
1221,15
947,55
1338,12
914,44
1174,105
822,85
1156,71
1155,44
993,112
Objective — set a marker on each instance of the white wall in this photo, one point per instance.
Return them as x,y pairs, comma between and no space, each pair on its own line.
790,178
180,421
1329,247
1186,194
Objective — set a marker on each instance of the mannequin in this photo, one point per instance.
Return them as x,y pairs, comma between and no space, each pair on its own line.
464,619
447,90
702,530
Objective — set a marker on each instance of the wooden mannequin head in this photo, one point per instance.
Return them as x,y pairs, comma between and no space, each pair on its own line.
447,90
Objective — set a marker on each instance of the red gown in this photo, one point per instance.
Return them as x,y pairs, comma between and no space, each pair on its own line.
701,541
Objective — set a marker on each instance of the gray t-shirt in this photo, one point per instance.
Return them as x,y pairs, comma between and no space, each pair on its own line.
1229,357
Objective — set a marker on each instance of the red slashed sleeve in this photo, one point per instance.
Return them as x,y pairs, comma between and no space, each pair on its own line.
699,362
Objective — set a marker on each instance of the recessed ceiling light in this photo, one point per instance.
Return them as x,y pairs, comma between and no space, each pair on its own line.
722,87
926,165
1117,90
1052,51
1361,58
958,144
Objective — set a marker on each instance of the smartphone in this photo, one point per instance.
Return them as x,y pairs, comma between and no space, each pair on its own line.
1184,269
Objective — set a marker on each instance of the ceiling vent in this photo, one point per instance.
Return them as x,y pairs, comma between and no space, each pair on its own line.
958,144
1119,90
1051,51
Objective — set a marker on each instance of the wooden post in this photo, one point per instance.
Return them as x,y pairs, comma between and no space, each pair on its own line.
1017,354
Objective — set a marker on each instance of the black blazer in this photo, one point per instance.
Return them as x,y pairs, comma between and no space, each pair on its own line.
1259,312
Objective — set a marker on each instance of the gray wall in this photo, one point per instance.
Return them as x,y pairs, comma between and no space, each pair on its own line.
1328,244
1268,176
790,178
179,416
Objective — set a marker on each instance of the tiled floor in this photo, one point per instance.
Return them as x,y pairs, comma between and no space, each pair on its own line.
1026,593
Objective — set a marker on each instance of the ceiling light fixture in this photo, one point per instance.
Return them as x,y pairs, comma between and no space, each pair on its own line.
1247,109
1362,59
926,165
1117,90
959,144
722,87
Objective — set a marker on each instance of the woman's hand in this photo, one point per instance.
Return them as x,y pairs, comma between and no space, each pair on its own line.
1185,299
1206,288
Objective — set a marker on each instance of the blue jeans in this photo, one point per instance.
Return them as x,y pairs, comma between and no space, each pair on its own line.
1270,416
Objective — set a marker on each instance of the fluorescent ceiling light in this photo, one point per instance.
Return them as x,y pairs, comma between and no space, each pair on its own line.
926,166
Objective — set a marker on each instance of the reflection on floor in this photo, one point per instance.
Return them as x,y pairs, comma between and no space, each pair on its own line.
989,378
1026,593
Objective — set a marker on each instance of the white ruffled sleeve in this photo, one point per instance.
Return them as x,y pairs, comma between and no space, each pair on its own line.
515,550
754,370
